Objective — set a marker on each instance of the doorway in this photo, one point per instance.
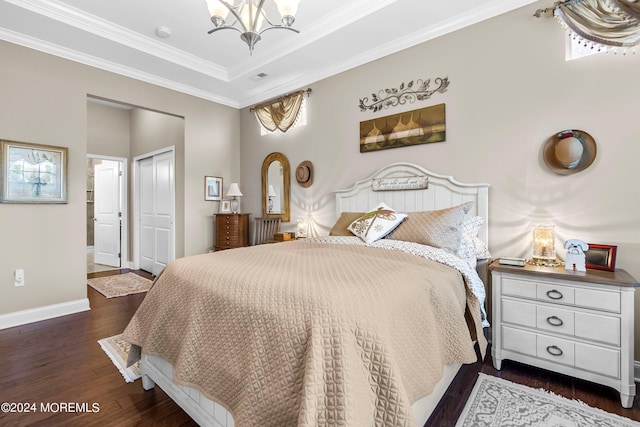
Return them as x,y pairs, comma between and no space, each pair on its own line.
132,133
106,213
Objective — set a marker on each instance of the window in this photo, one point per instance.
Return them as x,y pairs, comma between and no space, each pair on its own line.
579,48
300,121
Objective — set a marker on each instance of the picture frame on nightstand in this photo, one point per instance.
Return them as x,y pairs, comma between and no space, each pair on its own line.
601,257
225,206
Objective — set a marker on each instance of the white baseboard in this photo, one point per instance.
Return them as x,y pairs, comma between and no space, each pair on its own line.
43,313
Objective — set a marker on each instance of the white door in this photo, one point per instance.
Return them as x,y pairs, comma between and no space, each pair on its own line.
156,207
107,213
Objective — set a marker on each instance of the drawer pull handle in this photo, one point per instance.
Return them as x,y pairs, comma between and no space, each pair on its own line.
555,321
554,294
554,350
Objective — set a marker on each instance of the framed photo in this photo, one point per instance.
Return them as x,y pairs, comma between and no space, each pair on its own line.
225,206
32,173
212,188
601,257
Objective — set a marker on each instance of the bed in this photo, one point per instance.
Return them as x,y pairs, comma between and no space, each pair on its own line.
323,331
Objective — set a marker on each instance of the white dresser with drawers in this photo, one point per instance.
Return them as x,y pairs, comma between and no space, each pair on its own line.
576,323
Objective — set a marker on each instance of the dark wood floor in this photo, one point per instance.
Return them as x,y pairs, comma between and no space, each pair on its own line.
59,360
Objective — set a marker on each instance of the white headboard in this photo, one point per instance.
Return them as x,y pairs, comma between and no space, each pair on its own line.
441,192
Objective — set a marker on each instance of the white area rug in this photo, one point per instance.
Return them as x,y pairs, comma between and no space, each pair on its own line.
495,402
118,349
119,285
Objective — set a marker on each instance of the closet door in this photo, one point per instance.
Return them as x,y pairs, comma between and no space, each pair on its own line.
156,207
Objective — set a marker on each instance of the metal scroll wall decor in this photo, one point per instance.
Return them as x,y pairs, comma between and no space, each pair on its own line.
412,91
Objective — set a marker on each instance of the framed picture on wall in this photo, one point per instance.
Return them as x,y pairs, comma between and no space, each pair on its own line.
212,188
33,173
422,126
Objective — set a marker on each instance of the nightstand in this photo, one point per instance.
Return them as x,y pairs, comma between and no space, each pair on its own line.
232,231
575,323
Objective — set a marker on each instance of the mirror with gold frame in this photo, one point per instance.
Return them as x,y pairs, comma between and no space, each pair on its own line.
276,176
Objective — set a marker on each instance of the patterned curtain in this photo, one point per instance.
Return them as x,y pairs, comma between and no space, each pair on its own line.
279,114
632,7
606,22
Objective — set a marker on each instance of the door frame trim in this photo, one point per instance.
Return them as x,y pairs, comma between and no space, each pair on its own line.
135,198
124,195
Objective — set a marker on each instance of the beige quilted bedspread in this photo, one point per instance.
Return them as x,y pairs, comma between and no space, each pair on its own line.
309,334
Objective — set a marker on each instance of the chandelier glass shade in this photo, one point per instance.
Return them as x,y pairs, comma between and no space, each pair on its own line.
248,17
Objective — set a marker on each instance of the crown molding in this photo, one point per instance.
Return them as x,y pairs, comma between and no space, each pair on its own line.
351,12
471,17
83,58
102,28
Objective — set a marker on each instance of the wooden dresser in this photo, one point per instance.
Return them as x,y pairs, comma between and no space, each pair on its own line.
576,323
232,231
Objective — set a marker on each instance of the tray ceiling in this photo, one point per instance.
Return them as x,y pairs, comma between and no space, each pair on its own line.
335,36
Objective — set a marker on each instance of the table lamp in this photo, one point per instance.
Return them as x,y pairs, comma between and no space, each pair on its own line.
234,191
270,195
544,252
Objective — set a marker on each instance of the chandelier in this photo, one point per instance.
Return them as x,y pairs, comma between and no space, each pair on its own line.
248,17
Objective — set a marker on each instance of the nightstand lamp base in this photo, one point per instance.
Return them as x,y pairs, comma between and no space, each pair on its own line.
545,262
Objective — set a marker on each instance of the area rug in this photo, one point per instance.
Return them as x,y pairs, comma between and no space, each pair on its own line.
119,285
117,349
495,402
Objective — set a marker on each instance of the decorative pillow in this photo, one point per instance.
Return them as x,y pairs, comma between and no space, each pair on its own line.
440,229
341,227
376,223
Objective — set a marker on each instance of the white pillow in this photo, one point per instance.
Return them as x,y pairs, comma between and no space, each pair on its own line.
470,245
377,223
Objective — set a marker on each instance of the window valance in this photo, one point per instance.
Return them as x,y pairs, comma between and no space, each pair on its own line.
613,23
632,7
280,113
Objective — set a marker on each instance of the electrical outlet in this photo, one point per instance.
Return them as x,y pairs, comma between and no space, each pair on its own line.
19,278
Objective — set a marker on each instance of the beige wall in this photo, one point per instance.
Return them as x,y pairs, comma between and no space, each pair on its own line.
511,89
45,101
108,130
